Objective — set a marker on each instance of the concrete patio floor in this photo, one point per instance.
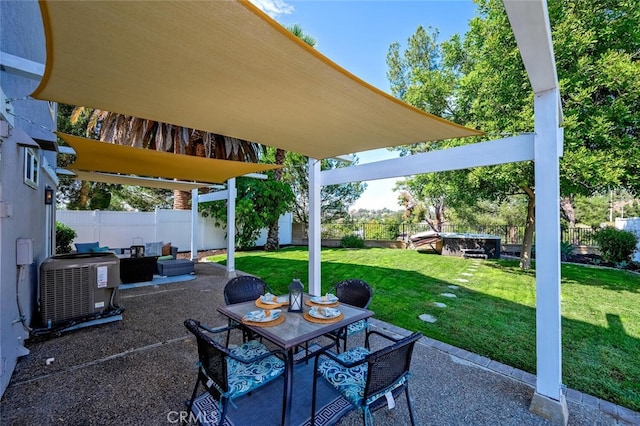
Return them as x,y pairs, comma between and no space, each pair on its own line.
141,370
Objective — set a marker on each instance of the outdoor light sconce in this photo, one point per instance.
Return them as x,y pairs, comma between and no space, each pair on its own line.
295,296
48,195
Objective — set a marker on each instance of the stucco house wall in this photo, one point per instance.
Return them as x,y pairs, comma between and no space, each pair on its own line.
24,217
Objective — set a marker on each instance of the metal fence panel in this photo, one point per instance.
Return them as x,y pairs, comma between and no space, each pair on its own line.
402,231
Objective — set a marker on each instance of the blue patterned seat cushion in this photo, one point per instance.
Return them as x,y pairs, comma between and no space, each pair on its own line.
348,381
243,378
357,327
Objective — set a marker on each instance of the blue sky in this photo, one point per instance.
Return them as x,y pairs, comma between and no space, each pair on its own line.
356,34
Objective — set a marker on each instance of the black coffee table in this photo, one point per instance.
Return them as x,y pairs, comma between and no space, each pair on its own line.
137,269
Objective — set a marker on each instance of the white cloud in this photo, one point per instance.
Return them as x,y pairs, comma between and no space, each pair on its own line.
274,8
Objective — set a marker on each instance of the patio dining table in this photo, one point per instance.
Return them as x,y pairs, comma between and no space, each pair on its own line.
294,332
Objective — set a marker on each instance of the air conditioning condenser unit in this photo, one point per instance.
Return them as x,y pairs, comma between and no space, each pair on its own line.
78,286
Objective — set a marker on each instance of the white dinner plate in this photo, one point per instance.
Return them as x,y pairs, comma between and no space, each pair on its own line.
259,316
324,300
324,313
269,299
272,299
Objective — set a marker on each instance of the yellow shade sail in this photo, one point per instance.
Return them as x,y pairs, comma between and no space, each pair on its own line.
138,181
96,156
223,67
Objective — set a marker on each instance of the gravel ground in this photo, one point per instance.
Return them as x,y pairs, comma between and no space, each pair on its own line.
140,370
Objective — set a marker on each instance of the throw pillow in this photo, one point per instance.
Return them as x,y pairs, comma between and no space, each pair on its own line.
165,257
153,249
166,249
99,249
86,247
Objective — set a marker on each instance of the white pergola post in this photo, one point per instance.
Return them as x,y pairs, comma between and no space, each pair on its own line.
231,227
548,400
194,225
314,226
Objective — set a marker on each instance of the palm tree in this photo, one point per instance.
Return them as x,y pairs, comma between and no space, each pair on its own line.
272,236
142,133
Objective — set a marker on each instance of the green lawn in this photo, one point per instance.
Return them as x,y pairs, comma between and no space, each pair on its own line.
494,312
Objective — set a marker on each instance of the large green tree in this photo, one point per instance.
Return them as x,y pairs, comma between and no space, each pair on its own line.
596,45
334,199
258,203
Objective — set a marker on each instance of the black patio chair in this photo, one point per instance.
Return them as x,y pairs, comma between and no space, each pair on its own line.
364,378
229,373
353,292
240,289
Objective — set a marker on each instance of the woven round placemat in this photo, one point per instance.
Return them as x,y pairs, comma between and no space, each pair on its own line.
276,321
323,320
261,304
308,302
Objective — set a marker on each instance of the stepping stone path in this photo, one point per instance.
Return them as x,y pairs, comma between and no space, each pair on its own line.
450,295
466,274
439,304
428,318
462,280
453,287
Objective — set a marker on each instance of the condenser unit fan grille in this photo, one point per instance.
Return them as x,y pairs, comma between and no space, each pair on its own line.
66,293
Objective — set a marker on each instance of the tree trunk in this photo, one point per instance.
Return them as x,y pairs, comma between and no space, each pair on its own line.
273,242
181,200
83,199
440,216
439,208
566,207
527,242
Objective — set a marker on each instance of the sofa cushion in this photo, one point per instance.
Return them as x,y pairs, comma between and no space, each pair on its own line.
99,249
153,249
86,247
166,249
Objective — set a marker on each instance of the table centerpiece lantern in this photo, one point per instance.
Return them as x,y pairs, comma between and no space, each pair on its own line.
295,296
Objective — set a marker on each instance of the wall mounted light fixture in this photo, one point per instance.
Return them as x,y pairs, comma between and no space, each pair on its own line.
48,195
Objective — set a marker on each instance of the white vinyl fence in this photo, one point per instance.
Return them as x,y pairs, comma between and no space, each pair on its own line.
122,229
631,224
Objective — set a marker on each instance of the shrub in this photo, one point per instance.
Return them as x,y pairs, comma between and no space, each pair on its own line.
616,245
351,241
64,237
566,250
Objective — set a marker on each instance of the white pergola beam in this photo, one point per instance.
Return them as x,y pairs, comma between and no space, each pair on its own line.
498,151
314,226
231,227
547,177
530,25
194,224
532,29
229,195
20,66
213,196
